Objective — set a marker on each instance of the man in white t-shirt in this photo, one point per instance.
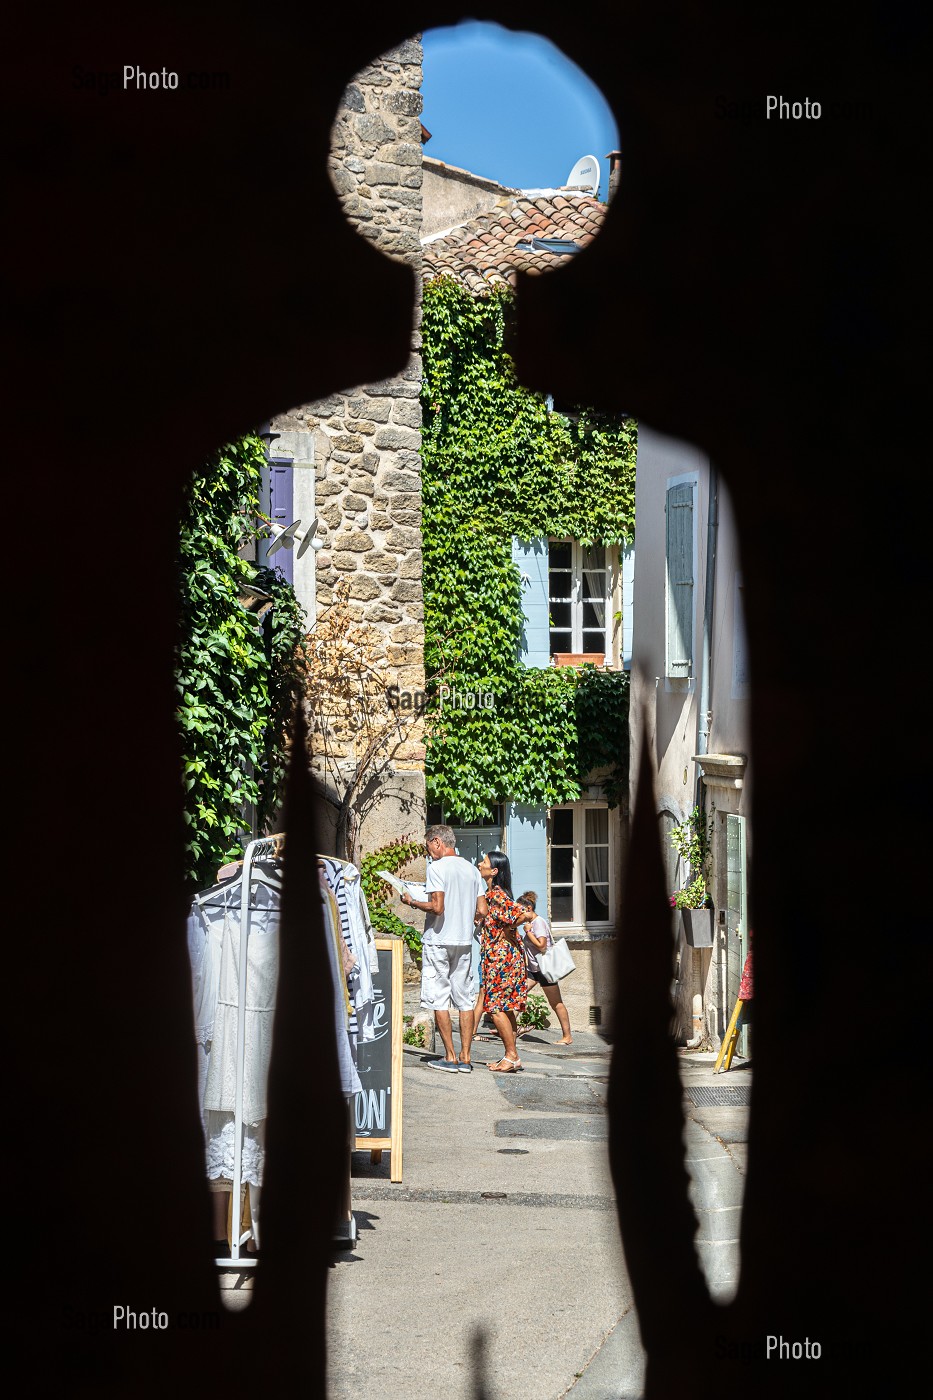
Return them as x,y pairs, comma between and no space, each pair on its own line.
456,900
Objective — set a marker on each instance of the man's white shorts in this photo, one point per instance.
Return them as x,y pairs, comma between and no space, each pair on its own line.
446,980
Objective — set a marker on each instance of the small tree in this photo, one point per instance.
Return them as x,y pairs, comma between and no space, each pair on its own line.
354,731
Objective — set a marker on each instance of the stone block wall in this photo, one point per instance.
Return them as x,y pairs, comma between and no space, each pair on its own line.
365,442
375,162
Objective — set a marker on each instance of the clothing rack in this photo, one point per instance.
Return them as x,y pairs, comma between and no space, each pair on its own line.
257,854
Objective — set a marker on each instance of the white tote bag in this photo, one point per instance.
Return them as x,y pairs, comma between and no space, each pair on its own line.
556,962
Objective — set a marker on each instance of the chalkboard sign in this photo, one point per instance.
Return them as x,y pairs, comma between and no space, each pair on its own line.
378,1105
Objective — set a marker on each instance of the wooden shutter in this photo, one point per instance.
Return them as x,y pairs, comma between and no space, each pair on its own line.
281,484
527,840
628,616
679,509
531,560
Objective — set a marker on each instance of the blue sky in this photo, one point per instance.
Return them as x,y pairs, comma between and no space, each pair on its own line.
510,106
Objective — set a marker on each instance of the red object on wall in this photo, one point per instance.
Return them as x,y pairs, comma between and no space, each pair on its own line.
747,984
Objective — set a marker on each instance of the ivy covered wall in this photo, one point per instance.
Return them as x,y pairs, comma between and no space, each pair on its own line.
236,676
498,464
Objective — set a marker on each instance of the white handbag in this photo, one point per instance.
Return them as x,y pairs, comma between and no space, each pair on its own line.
556,962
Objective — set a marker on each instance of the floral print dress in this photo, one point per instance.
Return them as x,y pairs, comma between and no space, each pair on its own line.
503,963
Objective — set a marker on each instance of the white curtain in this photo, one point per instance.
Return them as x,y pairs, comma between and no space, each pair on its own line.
596,851
594,576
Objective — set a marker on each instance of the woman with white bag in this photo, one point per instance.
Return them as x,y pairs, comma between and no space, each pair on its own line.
537,939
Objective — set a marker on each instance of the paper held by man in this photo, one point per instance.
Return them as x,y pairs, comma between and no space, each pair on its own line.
415,888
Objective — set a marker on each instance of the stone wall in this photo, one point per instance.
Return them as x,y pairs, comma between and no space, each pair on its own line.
375,160
365,443
451,196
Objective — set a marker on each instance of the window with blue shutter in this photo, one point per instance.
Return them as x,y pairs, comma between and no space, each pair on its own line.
531,561
680,582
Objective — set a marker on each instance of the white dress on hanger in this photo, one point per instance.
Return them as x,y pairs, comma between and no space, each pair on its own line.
220,1084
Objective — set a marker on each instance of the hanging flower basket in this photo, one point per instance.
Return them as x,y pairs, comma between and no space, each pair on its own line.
698,927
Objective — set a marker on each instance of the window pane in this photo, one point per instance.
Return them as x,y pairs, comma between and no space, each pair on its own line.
594,558
597,903
560,615
560,554
562,827
560,585
594,616
561,641
561,906
596,826
561,865
473,844
594,584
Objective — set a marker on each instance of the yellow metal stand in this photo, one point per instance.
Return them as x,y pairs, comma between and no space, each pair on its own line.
727,1048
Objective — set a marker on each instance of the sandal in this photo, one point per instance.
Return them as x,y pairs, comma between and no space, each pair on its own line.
513,1066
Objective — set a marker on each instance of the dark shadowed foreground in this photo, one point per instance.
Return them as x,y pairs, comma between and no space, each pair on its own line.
179,270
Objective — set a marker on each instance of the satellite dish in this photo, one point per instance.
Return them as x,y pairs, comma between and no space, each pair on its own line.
307,538
586,173
284,537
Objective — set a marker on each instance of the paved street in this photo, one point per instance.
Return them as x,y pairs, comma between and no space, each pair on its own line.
505,1221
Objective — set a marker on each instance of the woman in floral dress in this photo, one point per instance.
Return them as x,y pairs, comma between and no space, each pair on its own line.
503,958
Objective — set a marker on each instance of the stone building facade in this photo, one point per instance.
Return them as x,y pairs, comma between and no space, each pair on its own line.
355,463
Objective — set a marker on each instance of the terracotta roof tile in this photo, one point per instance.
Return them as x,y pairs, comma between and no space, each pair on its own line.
483,252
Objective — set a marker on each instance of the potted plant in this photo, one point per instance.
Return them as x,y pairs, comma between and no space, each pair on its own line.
692,840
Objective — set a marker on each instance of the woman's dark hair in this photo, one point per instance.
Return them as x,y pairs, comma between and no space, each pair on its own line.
502,880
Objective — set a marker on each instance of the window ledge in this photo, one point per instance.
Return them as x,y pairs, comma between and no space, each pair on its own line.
722,770
579,658
577,935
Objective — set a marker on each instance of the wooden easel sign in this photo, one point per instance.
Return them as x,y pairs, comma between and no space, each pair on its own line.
378,1106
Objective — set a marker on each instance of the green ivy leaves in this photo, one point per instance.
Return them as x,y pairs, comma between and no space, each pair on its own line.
392,858
498,464
235,678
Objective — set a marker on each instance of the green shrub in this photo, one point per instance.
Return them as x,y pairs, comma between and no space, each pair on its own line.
378,893
536,1015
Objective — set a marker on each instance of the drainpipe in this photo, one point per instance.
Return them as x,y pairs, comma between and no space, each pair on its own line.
704,718
697,1023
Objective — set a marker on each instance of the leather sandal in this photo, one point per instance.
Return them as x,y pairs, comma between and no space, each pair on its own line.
513,1066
